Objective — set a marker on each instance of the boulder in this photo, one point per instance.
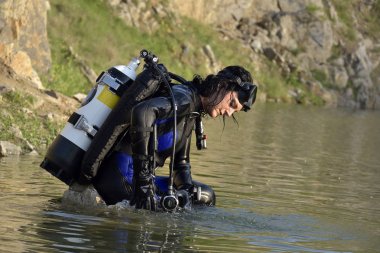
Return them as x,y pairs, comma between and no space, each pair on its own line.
7,148
213,65
359,68
338,73
21,63
80,97
139,14
23,38
16,132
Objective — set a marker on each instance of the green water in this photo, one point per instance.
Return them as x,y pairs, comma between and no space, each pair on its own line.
288,179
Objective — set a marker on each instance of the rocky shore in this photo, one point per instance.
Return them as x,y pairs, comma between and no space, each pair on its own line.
330,48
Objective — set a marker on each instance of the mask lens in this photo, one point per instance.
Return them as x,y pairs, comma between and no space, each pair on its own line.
247,95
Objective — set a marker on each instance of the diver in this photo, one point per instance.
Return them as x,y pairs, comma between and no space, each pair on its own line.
128,172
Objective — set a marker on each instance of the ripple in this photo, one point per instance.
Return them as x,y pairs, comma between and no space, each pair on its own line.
287,180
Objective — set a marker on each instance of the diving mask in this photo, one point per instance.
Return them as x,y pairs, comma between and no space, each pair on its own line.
246,94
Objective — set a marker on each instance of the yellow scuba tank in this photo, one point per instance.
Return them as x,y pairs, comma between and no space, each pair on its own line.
64,156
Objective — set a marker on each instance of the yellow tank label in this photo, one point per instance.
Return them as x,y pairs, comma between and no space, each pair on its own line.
108,98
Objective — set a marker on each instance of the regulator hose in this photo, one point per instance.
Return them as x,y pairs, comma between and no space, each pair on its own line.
169,202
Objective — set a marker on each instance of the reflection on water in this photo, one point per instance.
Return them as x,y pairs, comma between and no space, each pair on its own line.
288,179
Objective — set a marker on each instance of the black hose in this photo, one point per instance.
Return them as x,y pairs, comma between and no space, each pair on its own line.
177,78
174,106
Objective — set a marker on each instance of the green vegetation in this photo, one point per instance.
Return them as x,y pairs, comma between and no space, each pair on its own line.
312,8
92,29
35,129
345,10
18,99
101,39
336,52
275,86
372,20
319,75
297,51
322,77
65,75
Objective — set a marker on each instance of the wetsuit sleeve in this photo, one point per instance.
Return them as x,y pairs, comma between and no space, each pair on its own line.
143,118
145,114
182,168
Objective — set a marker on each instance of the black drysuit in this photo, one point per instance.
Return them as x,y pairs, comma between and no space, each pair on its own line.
114,179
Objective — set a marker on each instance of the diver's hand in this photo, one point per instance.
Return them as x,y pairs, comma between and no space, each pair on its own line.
144,195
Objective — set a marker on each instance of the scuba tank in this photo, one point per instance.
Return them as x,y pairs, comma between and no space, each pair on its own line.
64,156
146,84
91,131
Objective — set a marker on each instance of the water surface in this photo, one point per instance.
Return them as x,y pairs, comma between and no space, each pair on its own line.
288,179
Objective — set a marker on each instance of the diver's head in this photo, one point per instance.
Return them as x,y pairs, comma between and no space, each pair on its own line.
230,90
241,80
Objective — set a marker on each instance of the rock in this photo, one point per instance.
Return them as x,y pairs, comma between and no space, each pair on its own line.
21,63
4,89
270,53
314,87
291,6
359,68
29,145
114,3
88,72
256,46
85,197
213,65
296,94
139,14
15,130
339,76
287,39
330,98
27,111
50,116
52,93
331,11
7,148
33,153
23,36
376,102
80,97
358,63
200,10
320,40
338,73
273,55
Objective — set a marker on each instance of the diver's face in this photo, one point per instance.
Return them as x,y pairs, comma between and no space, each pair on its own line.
228,104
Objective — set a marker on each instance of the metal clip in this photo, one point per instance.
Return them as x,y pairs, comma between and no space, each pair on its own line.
108,80
82,124
197,191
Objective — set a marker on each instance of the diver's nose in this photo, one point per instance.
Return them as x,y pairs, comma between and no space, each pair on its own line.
230,112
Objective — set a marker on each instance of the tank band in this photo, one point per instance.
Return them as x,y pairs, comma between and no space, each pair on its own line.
81,123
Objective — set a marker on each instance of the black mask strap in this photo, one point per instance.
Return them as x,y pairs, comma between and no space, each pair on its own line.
246,90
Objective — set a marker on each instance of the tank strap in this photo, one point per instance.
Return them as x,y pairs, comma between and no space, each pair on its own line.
115,85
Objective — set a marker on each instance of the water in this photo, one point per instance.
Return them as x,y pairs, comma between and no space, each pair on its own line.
289,179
